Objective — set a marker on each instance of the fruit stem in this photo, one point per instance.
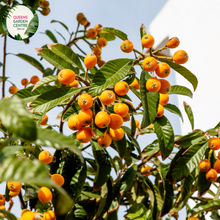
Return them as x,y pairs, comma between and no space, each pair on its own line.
162,48
218,193
139,52
82,80
4,66
77,30
86,74
210,155
84,148
22,201
79,48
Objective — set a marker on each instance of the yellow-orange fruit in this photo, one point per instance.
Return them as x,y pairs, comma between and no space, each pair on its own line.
97,51
165,86
12,90
2,199
79,16
153,84
180,57
49,215
34,79
116,121
44,194
98,28
116,134
126,101
101,42
85,116
7,97
147,41
84,135
204,165
14,194
164,99
101,63
160,111
127,46
45,11
44,120
150,64
24,82
75,83
105,141
121,88
85,101
66,76
135,84
90,60
14,186
121,109
83,21
211,175
45,156
150,126
214,143
102,119
73,123
24,210
146,168
162,70
58,179
127,117
31,216
217,166
107,97
91,32
173,42
2,207
137,123
192,218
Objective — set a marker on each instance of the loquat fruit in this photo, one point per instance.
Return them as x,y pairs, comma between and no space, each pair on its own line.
45,156
147,41
204,165
173,42
105,141
74,123
121,88
85,101
121,109
44,195
153,84
107,97
127,46
180,57
84,135
85,116
116,134
66,76
150,64
90,60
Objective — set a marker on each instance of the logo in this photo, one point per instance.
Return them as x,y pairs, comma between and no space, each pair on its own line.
20,22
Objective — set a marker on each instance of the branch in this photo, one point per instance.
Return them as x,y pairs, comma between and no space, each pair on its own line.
147,159
120,174
4,66
82,80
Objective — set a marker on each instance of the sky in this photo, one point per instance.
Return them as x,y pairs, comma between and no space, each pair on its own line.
126,16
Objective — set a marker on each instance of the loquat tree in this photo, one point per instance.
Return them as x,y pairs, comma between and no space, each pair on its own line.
94,96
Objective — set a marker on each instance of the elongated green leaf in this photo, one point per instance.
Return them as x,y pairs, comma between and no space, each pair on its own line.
137,93
32,26
67,54
50,138
183,71
109,74
164,132
2,12
103,165
173,109
51,36
108,36
151,148
203,183
139,212
205,206
45,80
17,119
33,3
31,60
52,98
180,90
143,31
27,96
55,21
121,146
73,109
116,32
90,195
189,113
56,60
8,215
61,36
187,162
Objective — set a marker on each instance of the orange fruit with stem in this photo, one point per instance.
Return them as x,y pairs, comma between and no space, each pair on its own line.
160,111
66,76
14,194
44,120
150,64
204,165
84,135
105,141
121,88
2,199
192,218
91,32
98,28
137,123
214,143
34,79
85,116
211,175
44,194
58,179
121,109
129,103
153,84
163,70
49,215
79,16
180,57
24,82
101,42
90,60
116,134
107,97
165,86
101,63
127,46
12,90
97,51
146,168
127,117
116,121
14,186
135,84
74,123
85,101
75,83
217,166
45,156
173,42
147,41
83,21
31,216
163,99
102,119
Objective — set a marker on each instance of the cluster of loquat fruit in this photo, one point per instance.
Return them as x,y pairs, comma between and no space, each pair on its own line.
45,7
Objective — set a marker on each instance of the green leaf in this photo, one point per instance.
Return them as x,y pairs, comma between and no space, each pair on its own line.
203,183
27,95
117,163
8,215
45,80
55,21
31,60
121,146
61,36
205,207
73,109
189,113
139,212
50,138
67,54
109,74
187,162
133,126
143,31
17,119
2,12
56,60
180,90
116,32
183,71
151,148
135,92
108,36
52,98
173,109
90,195
150,101
103,165
32,26
164,132
33,3
51,36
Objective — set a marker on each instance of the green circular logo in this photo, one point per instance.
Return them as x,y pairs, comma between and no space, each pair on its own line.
20,22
